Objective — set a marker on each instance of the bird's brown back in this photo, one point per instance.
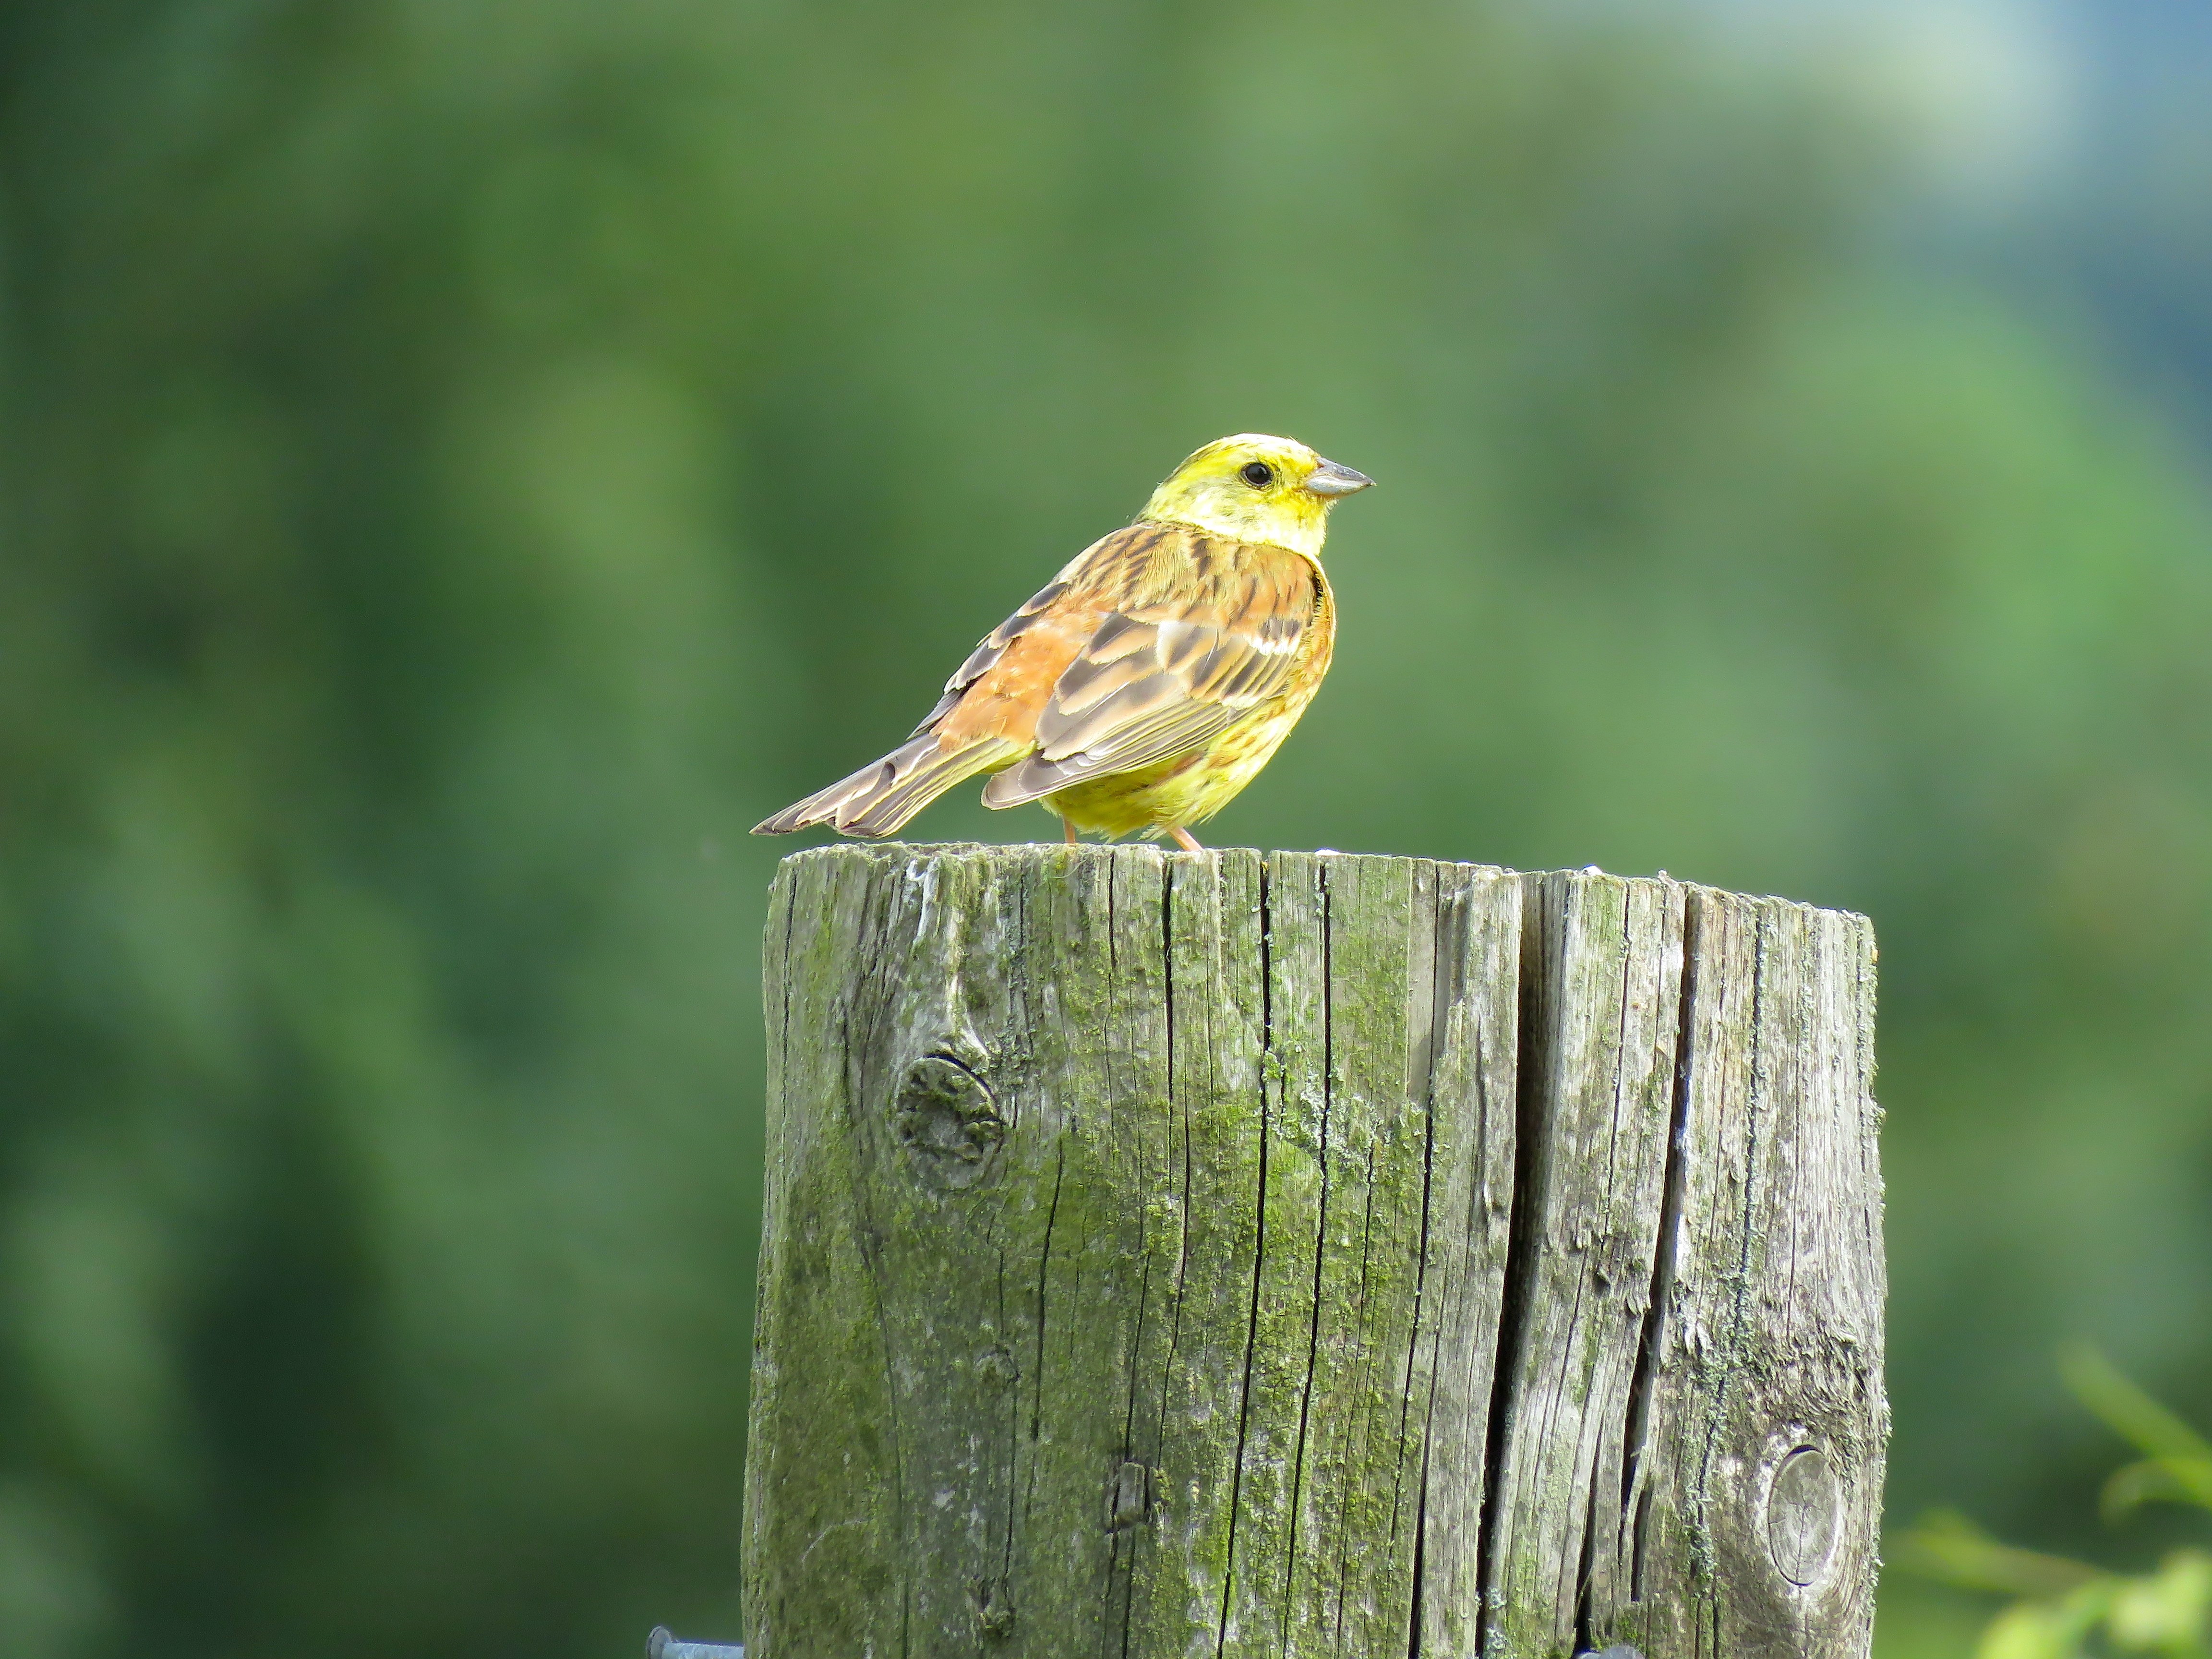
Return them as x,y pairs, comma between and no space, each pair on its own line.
1208,620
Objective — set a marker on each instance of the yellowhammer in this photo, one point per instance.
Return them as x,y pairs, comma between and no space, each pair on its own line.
1153,679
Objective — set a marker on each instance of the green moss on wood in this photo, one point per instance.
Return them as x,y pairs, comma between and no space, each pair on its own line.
1164,1252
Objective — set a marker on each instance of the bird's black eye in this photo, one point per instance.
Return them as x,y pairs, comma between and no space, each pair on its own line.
1258,474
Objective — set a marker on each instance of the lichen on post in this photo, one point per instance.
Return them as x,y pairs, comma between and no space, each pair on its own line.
1170,1254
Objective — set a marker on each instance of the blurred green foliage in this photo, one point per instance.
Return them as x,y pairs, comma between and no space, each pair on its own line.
2062,1609
465,461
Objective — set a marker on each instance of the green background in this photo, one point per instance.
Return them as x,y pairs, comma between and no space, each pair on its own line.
462,462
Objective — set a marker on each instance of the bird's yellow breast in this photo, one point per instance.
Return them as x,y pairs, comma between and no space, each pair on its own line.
1192,787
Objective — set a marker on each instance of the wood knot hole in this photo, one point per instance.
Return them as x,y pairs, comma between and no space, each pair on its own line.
996,1369
993,1600
947,1119
1804,1515
1129,1497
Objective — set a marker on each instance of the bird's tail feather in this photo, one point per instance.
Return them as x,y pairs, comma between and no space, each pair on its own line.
878,799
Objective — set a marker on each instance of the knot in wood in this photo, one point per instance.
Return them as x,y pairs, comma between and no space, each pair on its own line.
1804,1513
1129,1497
996,1368
947,1119
993,1602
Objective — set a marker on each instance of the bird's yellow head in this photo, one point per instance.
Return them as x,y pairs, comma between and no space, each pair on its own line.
1255,489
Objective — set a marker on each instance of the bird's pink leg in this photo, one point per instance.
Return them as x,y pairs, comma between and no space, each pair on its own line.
1068,825
1184,839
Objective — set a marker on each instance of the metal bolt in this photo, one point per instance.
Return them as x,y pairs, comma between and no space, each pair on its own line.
661,1645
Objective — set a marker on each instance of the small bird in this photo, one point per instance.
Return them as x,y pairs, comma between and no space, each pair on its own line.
1150,680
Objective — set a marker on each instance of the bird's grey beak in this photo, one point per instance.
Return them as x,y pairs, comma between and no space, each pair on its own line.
1329,479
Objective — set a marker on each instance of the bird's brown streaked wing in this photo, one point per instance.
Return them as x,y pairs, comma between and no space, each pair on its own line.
985,656
882,796
1112,571
1159,680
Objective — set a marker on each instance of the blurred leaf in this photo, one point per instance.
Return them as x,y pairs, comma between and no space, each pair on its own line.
2159,1480
1945,1545
2166,1612
2046,1630
2138,1418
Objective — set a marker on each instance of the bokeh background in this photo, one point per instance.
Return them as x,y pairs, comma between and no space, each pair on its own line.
462,462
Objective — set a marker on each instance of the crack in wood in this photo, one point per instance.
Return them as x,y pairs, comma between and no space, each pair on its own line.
1635,1503
1259,1260
1320,1259
1519,1279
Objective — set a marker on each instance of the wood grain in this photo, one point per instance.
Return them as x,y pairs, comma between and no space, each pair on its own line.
1182,1254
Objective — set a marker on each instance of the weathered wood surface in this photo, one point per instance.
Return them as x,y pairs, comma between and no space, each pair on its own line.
1182,1254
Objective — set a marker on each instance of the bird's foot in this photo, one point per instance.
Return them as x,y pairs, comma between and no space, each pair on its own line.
1184,839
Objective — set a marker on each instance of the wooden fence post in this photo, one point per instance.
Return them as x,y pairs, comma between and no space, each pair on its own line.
1183,1254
